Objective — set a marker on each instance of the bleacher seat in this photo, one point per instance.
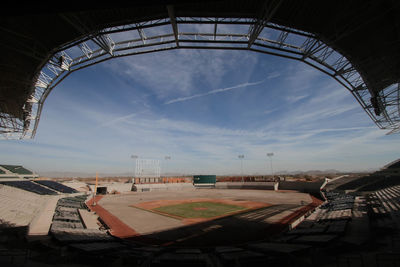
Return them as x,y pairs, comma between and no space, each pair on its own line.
16,169
361,182
30,186
19,207
57,186
389,198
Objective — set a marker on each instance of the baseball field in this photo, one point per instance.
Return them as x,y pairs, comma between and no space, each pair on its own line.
207,216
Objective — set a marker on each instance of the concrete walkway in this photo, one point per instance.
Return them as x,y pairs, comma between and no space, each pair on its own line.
117,227
139,219
89,219
40,225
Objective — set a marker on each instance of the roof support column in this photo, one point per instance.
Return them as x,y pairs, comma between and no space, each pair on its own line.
267,12
215,29
172,19
104,42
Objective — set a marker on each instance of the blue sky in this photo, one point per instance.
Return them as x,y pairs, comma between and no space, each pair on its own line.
203,108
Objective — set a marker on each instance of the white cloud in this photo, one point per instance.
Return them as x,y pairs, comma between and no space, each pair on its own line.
196,147
326,130
177,72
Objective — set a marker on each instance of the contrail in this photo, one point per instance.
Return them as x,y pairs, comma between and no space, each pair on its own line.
216,91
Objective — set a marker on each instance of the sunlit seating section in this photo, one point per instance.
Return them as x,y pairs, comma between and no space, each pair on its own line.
31,187
18,207
389,198
16,169
56,186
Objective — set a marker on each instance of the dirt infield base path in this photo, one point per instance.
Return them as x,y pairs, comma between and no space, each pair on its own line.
117,227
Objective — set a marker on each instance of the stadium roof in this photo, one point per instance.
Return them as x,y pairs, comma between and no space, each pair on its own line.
392,165
18,169
365,33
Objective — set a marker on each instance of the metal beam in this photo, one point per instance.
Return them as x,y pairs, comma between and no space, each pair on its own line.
172,19
267,12
103,41
142,35
398,99
215,28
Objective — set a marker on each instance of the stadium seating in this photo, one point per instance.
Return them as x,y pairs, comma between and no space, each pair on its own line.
394,165
389,198
322,231
360,182
381,182
16,169
78,186
56,186
18,206
30,186
68,228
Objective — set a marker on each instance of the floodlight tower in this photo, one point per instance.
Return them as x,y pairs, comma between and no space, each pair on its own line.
241,165
166,160
134,157
270,157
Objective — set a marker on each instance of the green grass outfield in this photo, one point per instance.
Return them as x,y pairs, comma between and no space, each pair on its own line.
199,209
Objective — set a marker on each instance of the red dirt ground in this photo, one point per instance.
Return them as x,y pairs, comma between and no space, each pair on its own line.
118,228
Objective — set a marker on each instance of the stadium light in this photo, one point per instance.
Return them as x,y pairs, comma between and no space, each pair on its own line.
134,157
166,160
270,157
241,157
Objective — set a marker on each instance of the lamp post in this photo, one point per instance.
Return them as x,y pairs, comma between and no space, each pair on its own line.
241,165
270,157
166,160
134,157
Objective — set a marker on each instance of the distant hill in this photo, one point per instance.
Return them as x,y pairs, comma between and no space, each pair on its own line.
67,174
311,172
61,174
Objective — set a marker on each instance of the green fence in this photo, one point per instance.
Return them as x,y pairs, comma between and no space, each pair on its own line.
204,179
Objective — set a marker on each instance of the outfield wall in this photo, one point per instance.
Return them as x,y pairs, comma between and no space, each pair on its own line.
114,187
162,187
305,187
247,185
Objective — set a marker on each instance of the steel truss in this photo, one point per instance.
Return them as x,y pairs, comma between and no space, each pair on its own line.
261,36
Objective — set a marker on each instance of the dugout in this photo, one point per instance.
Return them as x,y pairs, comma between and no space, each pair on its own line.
101,190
